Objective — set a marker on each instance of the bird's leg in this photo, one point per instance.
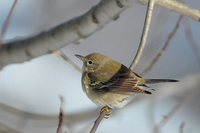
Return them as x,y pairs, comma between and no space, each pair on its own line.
107,111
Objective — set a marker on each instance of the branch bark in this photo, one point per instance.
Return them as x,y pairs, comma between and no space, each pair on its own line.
179,7
104,113
71,31
76,29
144,36
61,115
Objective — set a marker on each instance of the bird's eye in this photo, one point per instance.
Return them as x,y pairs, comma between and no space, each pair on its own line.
90,62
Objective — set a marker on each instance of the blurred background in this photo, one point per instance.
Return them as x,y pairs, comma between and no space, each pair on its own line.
29,92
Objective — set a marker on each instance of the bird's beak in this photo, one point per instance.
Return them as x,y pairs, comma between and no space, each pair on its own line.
80,57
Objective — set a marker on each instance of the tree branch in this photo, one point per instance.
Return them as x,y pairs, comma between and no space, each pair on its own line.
76,29
179,7
170,115
7,22
71,31
68,60
181,128
61,115
104,113
190,38
6,129
145,32
169,38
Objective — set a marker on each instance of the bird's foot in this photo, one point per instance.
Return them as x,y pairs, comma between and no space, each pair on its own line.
107,111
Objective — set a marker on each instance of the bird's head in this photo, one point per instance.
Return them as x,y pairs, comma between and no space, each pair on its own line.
91,62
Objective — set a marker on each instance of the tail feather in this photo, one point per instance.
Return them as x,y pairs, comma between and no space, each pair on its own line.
145,86
154,81
147,92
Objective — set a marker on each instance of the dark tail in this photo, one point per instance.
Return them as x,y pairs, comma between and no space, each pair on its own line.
154,81
147,92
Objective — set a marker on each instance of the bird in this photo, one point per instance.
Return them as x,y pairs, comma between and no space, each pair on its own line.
108,82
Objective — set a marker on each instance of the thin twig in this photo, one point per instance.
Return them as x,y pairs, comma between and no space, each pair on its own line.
6,129
181,128
104,113
170,115
60,123
167,42
68,60
7,21
97,122
144,36
190,38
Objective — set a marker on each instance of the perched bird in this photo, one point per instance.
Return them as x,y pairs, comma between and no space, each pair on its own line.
109,83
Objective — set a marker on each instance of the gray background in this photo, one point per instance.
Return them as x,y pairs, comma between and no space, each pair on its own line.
35,86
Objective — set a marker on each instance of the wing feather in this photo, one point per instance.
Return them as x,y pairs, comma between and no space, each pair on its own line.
124,81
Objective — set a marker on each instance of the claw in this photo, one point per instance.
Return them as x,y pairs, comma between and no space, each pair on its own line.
107,111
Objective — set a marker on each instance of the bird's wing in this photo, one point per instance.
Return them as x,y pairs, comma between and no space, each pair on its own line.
124,81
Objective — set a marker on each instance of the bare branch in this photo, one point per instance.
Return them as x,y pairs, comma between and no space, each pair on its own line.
77,29
167,42
181,128
6,129
170,115
60,123
104,113
191,40
7,21
144,36
71,31
179,7
68,60
97,122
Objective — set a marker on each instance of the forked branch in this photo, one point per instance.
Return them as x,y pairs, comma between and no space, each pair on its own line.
181,8
78,28
178,6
